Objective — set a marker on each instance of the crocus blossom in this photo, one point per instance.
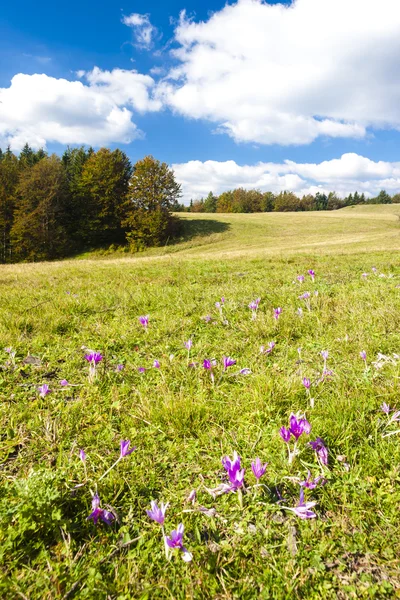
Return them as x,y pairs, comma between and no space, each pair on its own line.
298,426
235,473
303,509
268,350
94,357
144,320
157,513
310,483
188,345
228,362
64,383
124,447
277,312
325,354
285,434
306,383
120,368
156,364
363,355
44,390
311,274
305,296
258,468
175,540
245,371
385,408
322,451
141,369
300,278
100,513
82,455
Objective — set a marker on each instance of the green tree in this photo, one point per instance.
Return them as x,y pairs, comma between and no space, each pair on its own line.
287,202
321,201
382,198
38,232
28,157
210,203
103,189
268,202
9,175
153,191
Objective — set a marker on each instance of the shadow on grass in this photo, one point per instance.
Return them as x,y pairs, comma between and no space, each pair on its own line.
194,228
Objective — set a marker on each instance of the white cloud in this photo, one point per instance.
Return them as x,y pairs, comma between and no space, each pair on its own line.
39,109
143,31
289,74
344,175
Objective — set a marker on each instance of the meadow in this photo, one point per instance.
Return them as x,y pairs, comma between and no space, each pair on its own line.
331,357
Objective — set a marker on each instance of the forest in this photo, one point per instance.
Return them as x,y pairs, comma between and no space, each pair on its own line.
52,207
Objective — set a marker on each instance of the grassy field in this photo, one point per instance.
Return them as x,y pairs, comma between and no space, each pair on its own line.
247,543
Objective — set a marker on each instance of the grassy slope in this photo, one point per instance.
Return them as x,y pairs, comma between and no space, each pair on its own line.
182,425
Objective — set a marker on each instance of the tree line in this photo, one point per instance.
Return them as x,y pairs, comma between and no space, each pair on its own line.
240,200
52,207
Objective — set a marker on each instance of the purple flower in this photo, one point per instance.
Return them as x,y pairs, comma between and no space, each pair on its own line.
228,362
385,408
125,451
310,483
271,346
8,350
245,371
94,357
306,383
156,364
298,426
277,312
300,278
188,344
144,320
325,354
374,269
232,467
100,513
254,304
363,355
141,369
64,382
311,274
300,312
321,450
82,455
285,434
44,390
207,318
302,510
157,513
120,368
365,275
258,468
305,296
175,540
207,364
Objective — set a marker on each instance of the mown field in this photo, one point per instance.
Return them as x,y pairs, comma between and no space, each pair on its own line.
248,542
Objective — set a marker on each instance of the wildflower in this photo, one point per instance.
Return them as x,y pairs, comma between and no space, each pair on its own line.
300,312
94,357
271,346
322,451
277,312
191,497
44,390
306,383
300,278
303,509
207,318
298,426
100,513
82,455
175,540
208,365
64,382
144,320
285,434
188,345
310,483
325,354
254,304
8,350
305,296
124,447
141,369
258,468
228,362
374,269
311,274
156,364
385,408
235,474
365,275
245,372
363,355
157,513
120,368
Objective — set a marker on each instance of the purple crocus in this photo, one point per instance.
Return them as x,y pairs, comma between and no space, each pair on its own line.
64,383
306,383
124,446
144,320
298,426
277,312
44,390
235,474
363,355
156,364
325,354
305,296
385,408
100,513
94,357
188,345
310,483
303,509
141,369
245,371
208,365
268,350
322,451
157,513
82,455
300,278
175,540
120,368
254,304
285,434
258,468
311,274
228,362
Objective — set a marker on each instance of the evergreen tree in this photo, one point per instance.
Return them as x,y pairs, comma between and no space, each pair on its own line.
321,201
147,212
38,232
9,174
210,203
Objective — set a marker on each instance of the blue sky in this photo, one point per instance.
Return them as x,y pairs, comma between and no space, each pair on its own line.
192,117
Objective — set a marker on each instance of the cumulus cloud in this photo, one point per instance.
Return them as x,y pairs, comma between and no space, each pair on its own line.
39,109
278,74
344,175
143,31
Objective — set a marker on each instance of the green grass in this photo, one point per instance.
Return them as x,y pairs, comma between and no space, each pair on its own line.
182,425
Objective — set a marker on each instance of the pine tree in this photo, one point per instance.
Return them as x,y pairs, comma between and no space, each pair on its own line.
210,203
9,174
